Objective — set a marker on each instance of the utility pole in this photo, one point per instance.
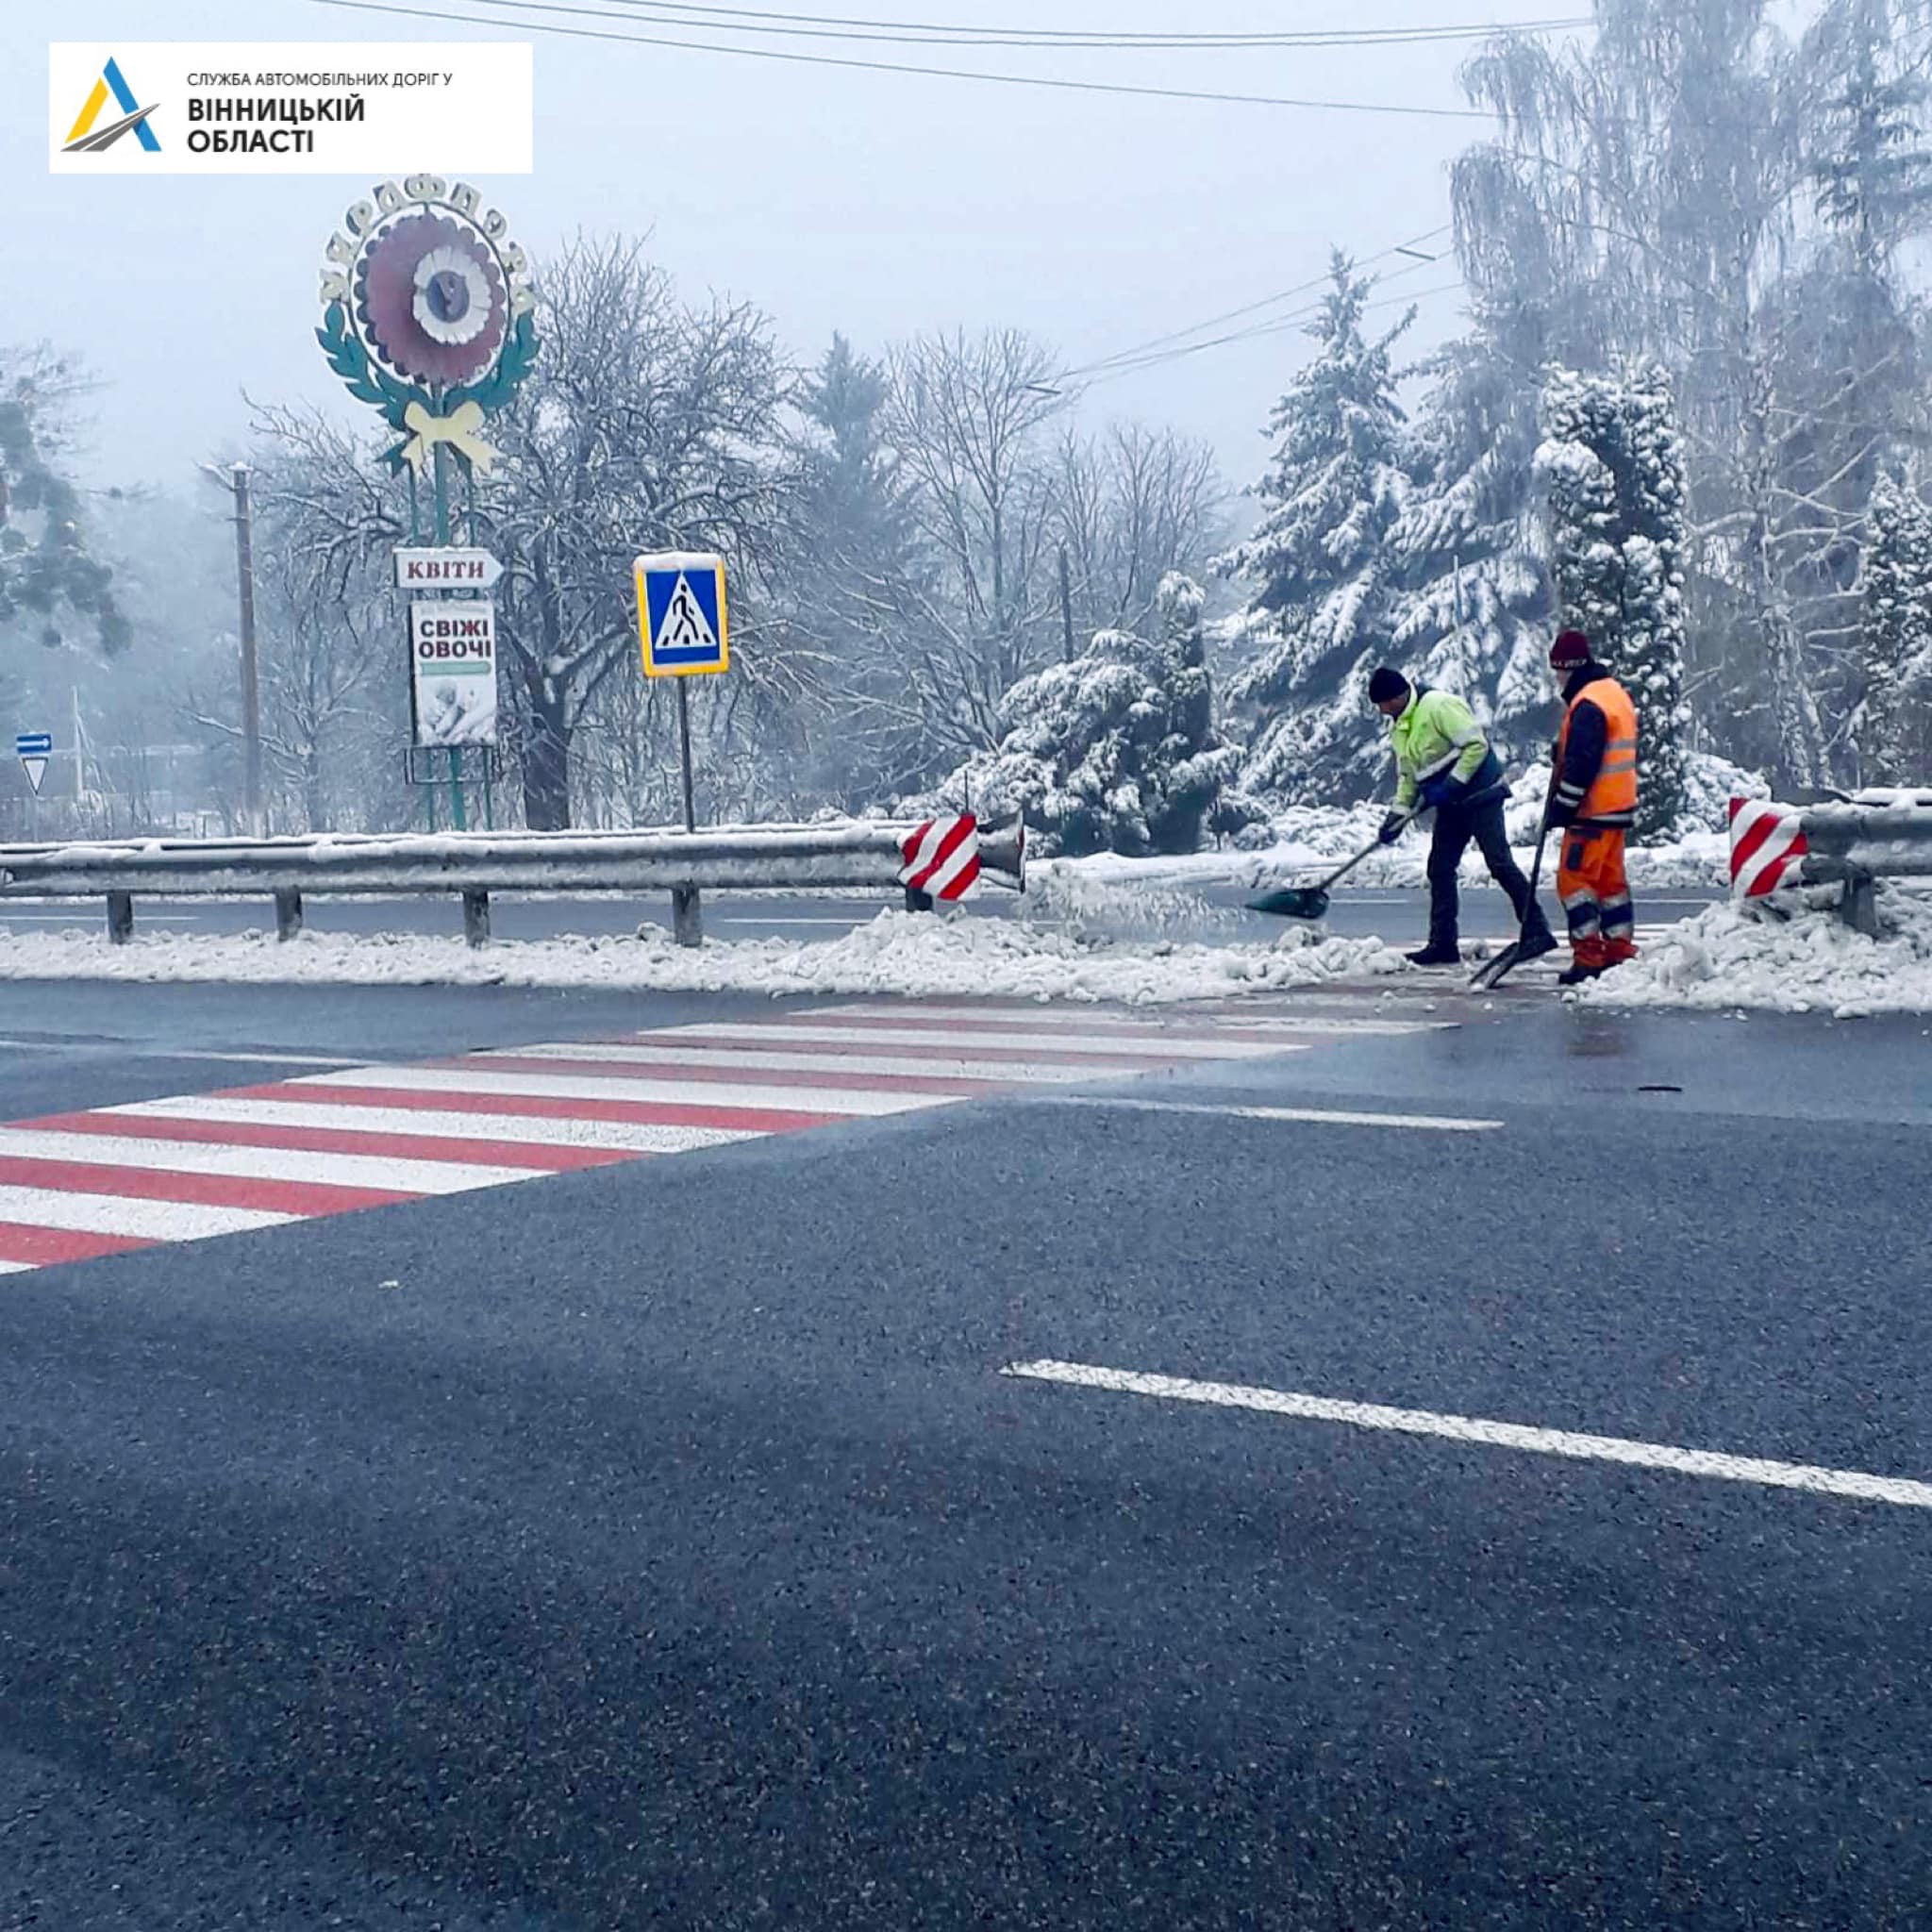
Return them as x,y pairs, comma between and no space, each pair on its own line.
251,681
1066,607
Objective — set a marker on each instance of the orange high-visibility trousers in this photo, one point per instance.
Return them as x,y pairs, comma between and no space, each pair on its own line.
1595,892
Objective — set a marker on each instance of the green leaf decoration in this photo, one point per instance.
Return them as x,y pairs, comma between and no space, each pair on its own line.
512,364
364,379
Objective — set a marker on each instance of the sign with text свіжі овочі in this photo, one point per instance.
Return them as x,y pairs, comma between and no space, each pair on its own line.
455,568
33,749
453,671
681,618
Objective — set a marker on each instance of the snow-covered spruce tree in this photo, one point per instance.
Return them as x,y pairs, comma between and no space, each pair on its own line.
1613,465
1471,606
1115,750
1893,725
1320,601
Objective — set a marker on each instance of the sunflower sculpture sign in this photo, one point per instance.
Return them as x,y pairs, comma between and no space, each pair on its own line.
428,316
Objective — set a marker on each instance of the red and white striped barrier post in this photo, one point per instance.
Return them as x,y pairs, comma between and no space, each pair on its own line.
1768,846
942,860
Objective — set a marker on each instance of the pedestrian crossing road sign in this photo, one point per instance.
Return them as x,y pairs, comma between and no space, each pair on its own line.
681,617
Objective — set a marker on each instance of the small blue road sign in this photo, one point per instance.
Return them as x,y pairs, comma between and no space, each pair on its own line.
681,617
33,745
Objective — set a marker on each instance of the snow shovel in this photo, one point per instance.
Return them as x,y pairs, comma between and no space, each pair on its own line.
1311,902
1491,971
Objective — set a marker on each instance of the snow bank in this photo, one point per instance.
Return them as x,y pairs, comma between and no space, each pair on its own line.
1730,955
909,954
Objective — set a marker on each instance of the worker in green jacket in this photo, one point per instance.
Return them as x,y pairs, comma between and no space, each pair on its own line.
1443,762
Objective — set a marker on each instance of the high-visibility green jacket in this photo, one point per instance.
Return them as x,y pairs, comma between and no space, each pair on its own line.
1436,737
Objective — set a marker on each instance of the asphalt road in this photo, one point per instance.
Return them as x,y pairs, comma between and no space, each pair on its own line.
1209,912
661,1542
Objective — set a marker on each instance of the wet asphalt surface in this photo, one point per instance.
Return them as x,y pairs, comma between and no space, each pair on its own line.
1214,913
661,1544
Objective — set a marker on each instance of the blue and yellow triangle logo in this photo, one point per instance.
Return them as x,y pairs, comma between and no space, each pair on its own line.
84,139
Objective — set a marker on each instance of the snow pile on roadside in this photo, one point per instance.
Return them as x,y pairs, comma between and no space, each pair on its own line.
908,953
1090,905
1730,955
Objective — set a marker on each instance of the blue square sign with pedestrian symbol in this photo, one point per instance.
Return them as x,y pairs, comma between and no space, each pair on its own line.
681,618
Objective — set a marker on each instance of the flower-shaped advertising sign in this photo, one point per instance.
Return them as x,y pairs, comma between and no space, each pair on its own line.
427,314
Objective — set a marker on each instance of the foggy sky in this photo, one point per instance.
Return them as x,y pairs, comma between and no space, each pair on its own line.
872,203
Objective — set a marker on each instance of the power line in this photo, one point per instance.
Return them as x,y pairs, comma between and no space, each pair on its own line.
1033,80
1278,326
1249,308
832,27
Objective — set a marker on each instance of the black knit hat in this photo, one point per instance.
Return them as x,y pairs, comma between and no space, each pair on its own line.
1386,684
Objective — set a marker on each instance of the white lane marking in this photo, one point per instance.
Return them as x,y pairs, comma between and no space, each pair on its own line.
253,1060
1164,1045
1197,1025
154,1220
259,1163
1429,1122
184,1053
698,1093
756,919
629,1137
745,1058
7,915
1462,1428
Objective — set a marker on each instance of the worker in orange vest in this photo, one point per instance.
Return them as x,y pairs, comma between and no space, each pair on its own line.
1593,800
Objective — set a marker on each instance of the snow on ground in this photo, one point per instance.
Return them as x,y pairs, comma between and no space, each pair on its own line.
903,953
1311,840
1731,956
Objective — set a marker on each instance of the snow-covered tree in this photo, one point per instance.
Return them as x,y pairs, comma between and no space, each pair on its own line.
1612,464
47,571
1317,561
1472,608
852,588
646,424
1870,163
1892,724
1115,750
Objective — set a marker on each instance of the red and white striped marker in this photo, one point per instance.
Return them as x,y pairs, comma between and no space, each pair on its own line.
1767,842
943,857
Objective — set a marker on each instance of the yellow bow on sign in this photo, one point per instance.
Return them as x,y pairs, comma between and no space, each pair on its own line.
458,428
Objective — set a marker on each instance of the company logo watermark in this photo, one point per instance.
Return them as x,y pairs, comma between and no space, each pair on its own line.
84,137
288,107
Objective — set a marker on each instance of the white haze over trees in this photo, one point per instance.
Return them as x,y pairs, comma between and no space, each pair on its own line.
1686,416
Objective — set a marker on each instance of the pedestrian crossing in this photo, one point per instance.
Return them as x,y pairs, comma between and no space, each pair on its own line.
80,1186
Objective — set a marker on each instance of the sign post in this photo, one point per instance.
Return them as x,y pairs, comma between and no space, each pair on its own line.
429,314
33,749
683,630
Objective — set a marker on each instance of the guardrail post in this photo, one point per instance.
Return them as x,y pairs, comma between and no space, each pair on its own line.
120,918
477,918
1858,907
288,912
687,920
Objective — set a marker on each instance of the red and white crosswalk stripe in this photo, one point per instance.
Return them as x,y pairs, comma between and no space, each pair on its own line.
108,1180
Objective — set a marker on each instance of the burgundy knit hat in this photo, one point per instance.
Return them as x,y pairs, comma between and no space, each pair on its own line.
1571,649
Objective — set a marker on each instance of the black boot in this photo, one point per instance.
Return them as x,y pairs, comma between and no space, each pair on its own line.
1575,976
1538,940
1435,954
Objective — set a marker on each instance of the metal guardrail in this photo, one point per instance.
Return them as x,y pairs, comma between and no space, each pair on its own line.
851,855
1878,833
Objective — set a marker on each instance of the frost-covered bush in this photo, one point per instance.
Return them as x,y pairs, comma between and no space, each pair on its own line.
1116,751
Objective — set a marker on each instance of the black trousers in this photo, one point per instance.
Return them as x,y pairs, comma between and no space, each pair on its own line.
1453,830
